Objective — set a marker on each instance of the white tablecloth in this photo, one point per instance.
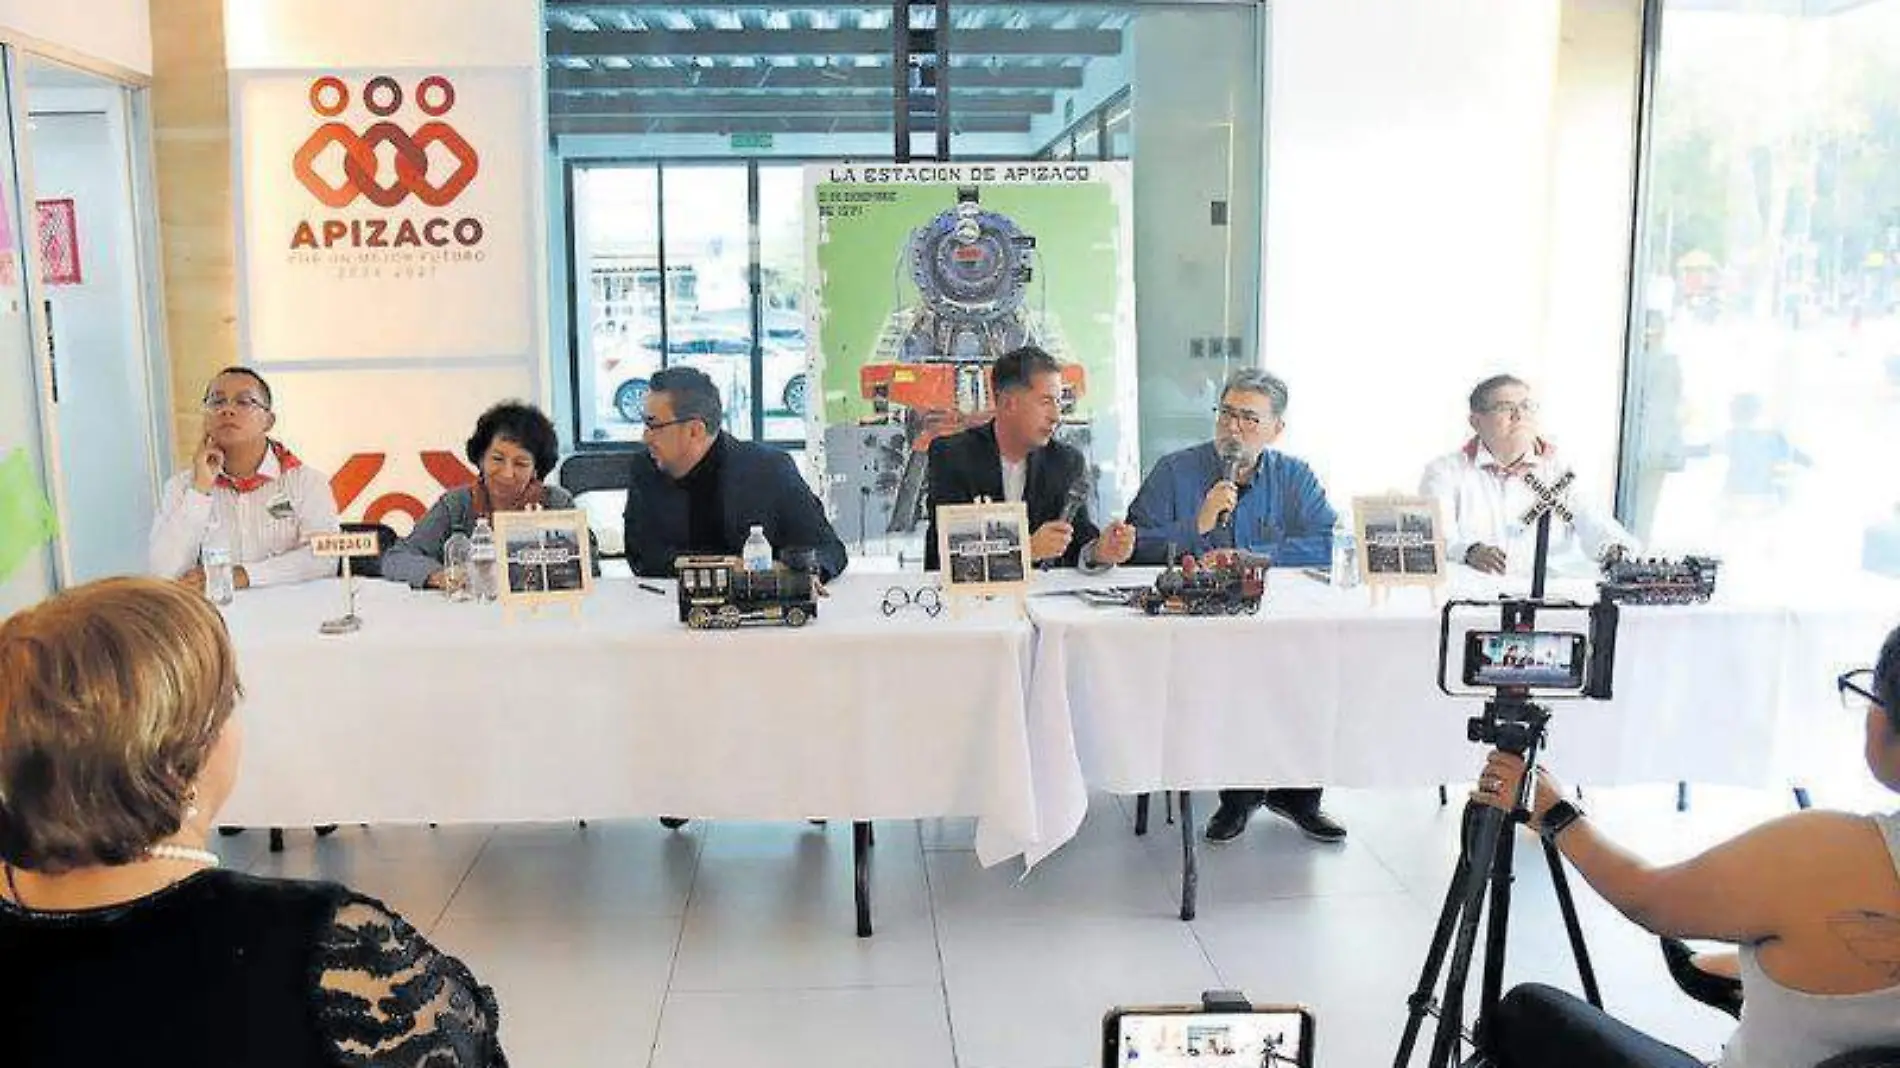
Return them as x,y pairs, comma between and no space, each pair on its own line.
1324,688
444,712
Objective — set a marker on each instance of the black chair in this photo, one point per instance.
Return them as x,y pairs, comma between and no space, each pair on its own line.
602,471
371,566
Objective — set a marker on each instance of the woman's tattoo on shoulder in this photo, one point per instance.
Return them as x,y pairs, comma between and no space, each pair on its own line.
1872,937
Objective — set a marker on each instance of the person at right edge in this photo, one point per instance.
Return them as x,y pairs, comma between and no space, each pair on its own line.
1237,491
1812,899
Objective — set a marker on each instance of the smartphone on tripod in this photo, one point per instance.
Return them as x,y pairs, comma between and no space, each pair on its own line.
1195,1036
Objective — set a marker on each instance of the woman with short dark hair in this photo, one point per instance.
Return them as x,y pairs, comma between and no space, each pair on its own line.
1812,899
121,941
514,449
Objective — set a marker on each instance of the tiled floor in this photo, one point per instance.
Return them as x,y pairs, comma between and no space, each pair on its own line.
731,945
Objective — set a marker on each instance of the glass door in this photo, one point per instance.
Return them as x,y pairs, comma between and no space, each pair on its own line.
26,562
81,171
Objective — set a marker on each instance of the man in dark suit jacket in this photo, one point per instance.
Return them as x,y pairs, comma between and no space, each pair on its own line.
699,490
1016,457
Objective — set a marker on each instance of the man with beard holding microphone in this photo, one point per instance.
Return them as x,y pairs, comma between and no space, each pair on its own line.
1237,492
1015,457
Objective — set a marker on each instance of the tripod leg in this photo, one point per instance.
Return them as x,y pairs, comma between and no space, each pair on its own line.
1190,871
1490,827
1572,926
1419,1004
1497,935
1443,797
1464,896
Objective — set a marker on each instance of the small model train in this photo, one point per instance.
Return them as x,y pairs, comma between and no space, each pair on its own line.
1225,582
718,593
1690,580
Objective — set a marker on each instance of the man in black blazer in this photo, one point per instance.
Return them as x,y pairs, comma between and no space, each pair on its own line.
1016,457
697,489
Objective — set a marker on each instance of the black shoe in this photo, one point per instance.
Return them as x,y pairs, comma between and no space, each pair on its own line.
325,830
1311,821
673,823
1716,991
1229,820
230,832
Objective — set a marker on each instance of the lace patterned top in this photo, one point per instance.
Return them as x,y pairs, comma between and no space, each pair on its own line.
224,970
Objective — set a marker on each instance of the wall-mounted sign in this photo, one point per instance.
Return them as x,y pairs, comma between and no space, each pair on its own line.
386,214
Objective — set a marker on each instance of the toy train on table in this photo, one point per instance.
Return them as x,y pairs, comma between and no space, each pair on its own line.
718,593
1225,582
1690,580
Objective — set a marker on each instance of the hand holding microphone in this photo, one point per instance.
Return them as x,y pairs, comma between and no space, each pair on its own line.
1051,540
1217,508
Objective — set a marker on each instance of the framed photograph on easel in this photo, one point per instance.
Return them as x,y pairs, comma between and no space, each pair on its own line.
1401,542
984,550
544,558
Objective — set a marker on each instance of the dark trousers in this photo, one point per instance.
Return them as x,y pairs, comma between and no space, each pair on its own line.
1304,799
1537,1026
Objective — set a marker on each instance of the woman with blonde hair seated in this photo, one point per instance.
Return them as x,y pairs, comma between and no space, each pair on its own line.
121,940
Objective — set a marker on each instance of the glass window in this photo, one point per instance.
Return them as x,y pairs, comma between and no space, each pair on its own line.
704,211
618,296
713,100
781,301
1765,377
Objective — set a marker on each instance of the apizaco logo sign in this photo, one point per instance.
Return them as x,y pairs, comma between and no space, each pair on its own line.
404,172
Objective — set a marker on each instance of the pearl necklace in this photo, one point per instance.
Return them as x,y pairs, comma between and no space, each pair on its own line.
184,853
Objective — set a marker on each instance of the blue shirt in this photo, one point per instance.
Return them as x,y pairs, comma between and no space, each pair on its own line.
1282,512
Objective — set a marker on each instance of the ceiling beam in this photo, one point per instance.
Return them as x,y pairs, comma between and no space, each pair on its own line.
783,124
689,43
651,104
699,79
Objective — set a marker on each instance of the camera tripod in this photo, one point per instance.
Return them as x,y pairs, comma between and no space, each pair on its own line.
1484,869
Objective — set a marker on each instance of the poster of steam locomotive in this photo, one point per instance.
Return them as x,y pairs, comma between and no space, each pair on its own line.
924,274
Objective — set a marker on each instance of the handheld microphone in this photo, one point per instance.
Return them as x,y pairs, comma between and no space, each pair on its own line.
1078,496
1232,458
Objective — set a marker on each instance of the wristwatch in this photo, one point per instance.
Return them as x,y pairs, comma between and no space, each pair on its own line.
1557,818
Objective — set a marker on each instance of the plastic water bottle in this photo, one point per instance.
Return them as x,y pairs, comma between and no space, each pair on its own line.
481,562
758,551
1345,572
455,567
215,558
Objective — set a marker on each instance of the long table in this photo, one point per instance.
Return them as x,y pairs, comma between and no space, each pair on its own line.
1326,688
447,712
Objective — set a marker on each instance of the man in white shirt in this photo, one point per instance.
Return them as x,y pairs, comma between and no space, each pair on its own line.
1483,495
263,500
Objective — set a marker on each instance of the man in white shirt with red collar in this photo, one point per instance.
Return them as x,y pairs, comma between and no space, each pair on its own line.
1483,495
267,501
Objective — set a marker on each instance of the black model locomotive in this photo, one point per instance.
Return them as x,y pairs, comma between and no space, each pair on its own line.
1225,582
718,593
1690,580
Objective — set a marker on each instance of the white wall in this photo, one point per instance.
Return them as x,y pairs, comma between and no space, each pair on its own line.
118,32
339,407
76,144
1406,222
1593,159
